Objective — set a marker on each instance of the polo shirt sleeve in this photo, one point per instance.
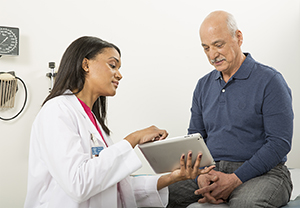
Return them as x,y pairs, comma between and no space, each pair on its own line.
278,127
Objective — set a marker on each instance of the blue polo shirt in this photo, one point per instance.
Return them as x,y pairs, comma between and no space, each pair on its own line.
248,119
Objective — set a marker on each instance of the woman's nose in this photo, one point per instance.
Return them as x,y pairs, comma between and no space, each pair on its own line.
118,75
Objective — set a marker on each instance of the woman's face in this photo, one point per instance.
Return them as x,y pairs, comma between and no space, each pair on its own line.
103,74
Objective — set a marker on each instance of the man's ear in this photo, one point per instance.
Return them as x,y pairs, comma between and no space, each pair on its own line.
239,36
85,64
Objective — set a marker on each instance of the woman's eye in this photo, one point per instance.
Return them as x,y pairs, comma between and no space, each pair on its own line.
112,66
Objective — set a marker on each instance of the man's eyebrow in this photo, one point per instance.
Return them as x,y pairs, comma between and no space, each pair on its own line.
213,43
217,41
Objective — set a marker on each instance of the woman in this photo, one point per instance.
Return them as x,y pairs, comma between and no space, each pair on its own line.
72,160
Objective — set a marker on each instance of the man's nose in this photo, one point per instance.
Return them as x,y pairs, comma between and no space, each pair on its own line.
213,54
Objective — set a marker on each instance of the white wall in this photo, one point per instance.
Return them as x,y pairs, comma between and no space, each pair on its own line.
162,61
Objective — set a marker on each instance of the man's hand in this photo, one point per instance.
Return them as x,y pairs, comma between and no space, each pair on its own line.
216,186
206,183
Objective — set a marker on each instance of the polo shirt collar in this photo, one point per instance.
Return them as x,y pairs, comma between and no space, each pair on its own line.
245,69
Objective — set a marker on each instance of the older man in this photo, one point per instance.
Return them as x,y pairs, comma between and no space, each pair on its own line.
243,109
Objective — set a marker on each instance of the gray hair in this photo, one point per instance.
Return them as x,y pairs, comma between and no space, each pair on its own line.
231,24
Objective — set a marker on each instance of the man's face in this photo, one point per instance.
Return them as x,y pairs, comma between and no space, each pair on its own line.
221,48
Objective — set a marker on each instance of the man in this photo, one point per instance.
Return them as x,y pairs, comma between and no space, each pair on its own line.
243,110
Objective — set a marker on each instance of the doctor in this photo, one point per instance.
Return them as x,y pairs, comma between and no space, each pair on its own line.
72,160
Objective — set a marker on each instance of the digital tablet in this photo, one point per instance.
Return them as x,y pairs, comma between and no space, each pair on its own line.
164,155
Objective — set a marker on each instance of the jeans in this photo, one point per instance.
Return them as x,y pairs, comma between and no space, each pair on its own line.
272,189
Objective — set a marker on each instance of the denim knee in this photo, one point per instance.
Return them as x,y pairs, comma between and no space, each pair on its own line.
245,203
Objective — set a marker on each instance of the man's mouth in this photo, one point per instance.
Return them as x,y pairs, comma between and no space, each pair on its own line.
217,61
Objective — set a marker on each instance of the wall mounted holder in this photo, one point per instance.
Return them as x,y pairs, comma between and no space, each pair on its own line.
51,74
8,89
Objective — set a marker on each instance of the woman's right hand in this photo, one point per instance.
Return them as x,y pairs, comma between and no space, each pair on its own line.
149,134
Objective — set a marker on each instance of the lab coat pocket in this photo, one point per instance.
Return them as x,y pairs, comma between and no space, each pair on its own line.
96,148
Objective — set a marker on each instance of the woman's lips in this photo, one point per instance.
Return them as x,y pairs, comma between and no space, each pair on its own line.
115,83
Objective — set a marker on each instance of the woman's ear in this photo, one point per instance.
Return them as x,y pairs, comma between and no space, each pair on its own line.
85,64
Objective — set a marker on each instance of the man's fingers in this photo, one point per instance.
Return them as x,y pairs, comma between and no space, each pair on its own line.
207,198
202,200
206,189
206,169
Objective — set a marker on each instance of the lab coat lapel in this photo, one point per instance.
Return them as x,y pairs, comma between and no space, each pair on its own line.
124,186
90,126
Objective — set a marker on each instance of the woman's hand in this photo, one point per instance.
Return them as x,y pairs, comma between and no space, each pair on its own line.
151,133
186,171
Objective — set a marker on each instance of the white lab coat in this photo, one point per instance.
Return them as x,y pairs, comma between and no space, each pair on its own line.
62,172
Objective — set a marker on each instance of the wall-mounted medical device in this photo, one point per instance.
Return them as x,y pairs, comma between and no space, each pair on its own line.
9,41
51,74
8,90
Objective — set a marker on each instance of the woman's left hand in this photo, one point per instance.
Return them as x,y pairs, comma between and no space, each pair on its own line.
187,171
